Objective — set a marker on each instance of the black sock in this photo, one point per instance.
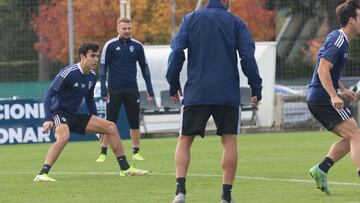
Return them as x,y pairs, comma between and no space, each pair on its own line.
180,186
326,164
227,192
124,164
45,169
103,150
136,150
359,173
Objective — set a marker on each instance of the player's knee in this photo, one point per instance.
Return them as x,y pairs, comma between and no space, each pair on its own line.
356,135
62,140
62,136
110,127
351,134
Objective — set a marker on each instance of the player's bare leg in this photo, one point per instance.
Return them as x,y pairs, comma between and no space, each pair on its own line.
182,161
62,135
229,164
109,129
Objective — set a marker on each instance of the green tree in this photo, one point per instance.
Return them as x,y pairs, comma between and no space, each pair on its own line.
16,36
18,59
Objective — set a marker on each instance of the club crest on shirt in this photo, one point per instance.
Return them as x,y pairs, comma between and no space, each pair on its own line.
82,85
346,55
132,48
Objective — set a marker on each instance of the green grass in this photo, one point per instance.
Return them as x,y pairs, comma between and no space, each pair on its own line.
267,164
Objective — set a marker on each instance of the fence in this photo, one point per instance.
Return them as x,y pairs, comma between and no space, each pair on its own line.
300,26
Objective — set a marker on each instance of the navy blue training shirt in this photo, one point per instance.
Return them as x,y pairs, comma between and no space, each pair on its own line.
119,58
213,36
336,50
68,89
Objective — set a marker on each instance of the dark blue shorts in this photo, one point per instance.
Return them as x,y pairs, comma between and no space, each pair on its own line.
194,119
77,122
328,116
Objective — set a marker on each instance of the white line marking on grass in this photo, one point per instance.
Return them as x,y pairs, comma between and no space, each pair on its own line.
264,179
193,175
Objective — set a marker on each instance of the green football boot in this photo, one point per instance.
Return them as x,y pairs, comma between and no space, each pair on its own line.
101,158
320,178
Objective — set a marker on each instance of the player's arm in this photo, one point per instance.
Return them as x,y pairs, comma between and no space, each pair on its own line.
176,60
90,102
246,50
48,124
55,86
103,70
327,60
145,71
325,78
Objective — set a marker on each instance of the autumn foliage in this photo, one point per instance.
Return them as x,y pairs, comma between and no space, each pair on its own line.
96,20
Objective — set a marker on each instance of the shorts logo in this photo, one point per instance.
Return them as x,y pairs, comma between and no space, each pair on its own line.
82,85
76,85
132,48
346,55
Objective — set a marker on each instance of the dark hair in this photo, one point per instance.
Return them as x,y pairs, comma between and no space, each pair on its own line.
346,10
86,46
123,20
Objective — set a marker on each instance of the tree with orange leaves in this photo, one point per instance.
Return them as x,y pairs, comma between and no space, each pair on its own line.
96,21
260,21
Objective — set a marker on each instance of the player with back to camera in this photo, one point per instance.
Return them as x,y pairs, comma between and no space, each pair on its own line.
214,37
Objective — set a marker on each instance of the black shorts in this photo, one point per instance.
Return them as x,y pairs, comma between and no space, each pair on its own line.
130,98
194,119
77,122
328,116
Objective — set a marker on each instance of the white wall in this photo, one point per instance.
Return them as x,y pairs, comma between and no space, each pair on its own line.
265,55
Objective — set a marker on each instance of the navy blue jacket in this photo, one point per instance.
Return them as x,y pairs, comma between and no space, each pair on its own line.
119,56
213,36
67,91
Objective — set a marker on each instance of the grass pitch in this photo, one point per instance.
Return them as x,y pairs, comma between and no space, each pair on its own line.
271,168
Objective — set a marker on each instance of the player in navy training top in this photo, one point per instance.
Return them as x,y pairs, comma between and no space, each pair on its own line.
118,68
213,37
326,103
62,103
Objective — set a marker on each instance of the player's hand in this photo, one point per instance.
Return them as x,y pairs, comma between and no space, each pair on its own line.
349,95
176,98
254,101
149,98
47,125
180,91
337,102
106,98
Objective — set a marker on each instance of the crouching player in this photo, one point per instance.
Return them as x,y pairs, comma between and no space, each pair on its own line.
62,103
